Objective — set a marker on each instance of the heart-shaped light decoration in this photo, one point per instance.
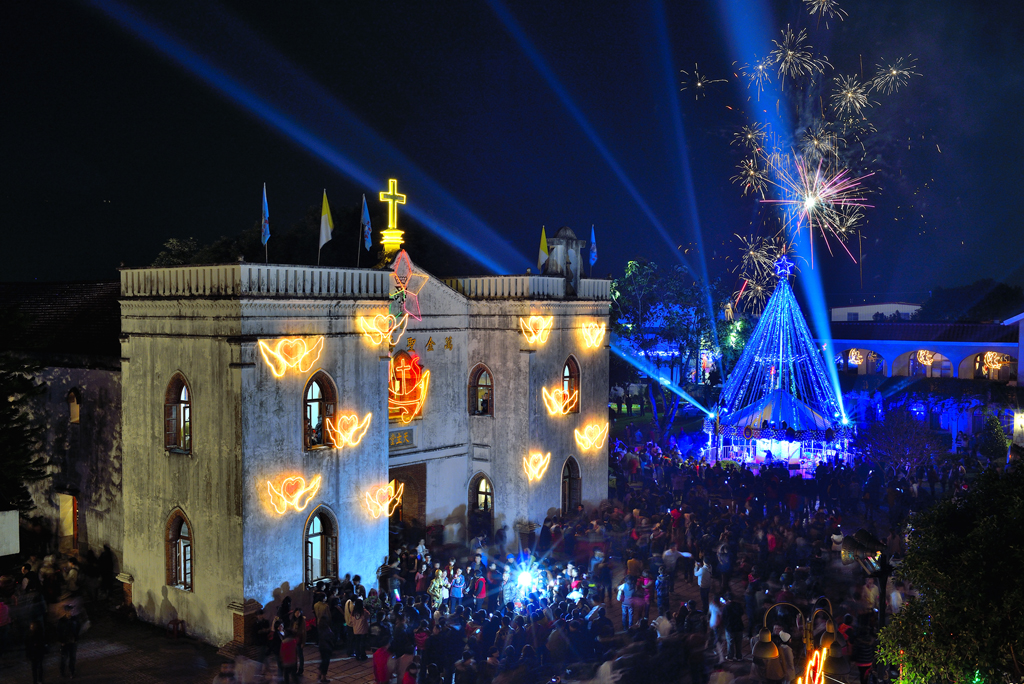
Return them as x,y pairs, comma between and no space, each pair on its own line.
593,334
385,500
383,327
290,352
536,464
346,429
558,401
292,491
536,328
592,437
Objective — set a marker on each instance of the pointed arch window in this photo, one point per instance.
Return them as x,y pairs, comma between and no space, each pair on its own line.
481,392
321,546
320,399
178,415
178,551
571,382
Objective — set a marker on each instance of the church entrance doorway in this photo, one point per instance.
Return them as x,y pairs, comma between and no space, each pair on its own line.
572,486
67,531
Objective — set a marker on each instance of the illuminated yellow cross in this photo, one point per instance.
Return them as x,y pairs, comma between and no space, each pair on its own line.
393,198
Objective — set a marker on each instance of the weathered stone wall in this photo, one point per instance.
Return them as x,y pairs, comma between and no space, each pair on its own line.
197,337
272,423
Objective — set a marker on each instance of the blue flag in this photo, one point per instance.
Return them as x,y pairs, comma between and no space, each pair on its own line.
593,247
265,229
364,223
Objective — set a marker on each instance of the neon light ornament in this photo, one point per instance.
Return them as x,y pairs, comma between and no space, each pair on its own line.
536,464
536,328
593,334
592,437
382,327
391,238
292,492
346,430
386,499
408,383
560,402
408,284
290,352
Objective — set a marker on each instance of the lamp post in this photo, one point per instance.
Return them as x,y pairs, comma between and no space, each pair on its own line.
832,663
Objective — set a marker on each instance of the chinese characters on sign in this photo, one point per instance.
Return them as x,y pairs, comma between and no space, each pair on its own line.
402,439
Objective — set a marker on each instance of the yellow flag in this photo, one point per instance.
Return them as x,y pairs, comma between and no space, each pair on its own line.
542,256
326,223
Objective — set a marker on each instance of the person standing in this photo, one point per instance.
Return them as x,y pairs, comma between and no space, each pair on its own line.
325,644
360,628
734,630
625,597
704,578
35,650
299,627
457,590
68,629
289,657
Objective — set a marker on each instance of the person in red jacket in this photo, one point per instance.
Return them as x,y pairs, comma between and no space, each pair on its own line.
478,592
290,657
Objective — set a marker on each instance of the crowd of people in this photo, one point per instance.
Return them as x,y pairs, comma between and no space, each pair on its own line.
669,580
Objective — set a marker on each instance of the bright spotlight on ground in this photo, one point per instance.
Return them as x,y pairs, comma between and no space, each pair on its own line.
525,579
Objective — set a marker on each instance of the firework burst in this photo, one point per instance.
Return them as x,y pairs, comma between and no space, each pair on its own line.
752,136
753,294
794,58
751,177
820,198
698,82
850,97
756,255
818,142
826,8
758,74
891,77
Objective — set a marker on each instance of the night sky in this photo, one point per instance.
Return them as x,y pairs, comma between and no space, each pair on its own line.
127,124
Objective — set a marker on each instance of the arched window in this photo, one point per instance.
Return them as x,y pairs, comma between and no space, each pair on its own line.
178,415
319,403
571,382
481,506
321,546
481,392
178,548
74,405
572,486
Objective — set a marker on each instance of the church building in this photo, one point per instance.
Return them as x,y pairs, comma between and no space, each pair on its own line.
275,420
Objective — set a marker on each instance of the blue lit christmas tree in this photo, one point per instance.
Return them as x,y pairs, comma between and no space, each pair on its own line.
779,389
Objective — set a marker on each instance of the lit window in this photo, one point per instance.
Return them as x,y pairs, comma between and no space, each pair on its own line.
481,392
571,382
74,406
179,552
484,495
178,416
321,546
319,404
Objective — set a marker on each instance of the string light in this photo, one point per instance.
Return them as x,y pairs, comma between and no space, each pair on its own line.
407,387
293,492
536,464
995,360
593,334
558,401
391,238
926,357
346,429
386,499
592,437
408,284
814,672
536,328
856,358
290,352
382,327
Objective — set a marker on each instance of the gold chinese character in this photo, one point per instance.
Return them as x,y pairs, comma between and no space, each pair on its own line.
448,343
430,344
410,343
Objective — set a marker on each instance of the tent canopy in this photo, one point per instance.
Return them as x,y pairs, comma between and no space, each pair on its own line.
775,407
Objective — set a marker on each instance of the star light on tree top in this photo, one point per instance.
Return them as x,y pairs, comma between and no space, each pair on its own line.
783,267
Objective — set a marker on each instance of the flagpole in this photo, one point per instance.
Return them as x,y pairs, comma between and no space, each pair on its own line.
359,241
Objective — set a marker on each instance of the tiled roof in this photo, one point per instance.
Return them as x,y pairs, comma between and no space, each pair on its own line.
62,318
923,332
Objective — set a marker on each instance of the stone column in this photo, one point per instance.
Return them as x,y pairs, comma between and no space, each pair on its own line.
244,629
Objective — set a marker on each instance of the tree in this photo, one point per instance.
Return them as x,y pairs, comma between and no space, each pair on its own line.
900,442
984,300
964,556
21,459
993,443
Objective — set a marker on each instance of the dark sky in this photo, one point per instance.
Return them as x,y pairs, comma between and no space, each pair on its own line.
127,124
